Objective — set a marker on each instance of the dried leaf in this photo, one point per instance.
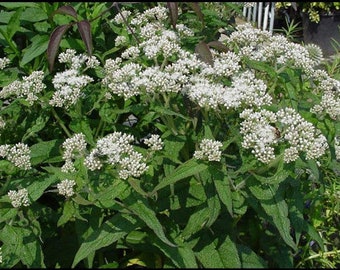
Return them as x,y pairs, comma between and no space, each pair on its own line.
85,33
67,10
173,8
203,51
218,45
54,43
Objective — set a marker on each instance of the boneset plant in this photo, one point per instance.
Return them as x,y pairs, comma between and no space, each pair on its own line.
167,156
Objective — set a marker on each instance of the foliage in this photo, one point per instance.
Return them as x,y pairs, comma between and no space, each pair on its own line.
132,134
313,9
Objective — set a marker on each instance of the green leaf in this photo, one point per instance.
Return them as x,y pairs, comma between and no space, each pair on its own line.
37,125
38,46
275,207
34,14
217,252
69,212
23,243
249,259
39,185
197,220
223,189
84,127
7,213
111,231
140,206
14,23
14,5
42,152
189,168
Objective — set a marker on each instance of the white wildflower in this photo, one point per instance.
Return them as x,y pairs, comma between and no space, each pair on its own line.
154,142
209,149
65,188
73,147
19,198
4,62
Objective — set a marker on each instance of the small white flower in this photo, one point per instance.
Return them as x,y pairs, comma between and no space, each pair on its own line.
154,142
65,188
4,62
19,198
209,149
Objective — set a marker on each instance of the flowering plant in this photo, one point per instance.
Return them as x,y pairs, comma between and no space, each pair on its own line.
193,158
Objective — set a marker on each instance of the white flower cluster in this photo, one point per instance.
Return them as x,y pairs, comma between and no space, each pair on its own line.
28,88
19,198
19,155
4,62
209,149
260,132
73,147
65,188
69,83
337,147
330,96
154,142
301,135
116,149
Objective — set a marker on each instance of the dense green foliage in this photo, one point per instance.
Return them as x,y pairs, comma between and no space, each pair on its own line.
236,210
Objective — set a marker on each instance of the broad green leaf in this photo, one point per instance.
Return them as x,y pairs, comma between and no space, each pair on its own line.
83,126
14,5
249,259
275,207
34,14
109,232
69,212
182,256
217,252
37,125
223,189
140,206
197,220
39,185
189,168
44,151
261,66
37,47
23,243
7,213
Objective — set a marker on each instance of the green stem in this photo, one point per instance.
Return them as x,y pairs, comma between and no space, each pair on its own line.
321,254
100,125
61,123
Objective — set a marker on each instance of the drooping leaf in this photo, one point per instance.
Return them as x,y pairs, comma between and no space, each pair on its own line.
84,28
196,7
173,9
204,53
249,259
111,231
67,10
54,43
218,45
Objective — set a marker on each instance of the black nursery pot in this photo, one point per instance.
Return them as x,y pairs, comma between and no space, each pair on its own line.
323,32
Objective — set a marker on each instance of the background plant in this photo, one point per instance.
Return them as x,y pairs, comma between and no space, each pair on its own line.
150,151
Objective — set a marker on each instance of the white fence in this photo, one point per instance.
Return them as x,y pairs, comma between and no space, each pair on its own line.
262,14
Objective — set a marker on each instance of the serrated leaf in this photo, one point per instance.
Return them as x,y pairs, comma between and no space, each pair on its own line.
196,221
54,43
84,28
275,207
218,45
189,168
223,190
67,10
173,9
43,151
39,185
111,231
204,53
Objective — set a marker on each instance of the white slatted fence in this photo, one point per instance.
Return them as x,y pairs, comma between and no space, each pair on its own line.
262,14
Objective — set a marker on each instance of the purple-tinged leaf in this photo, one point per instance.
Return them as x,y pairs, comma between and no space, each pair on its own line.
203,51
218,45
196,7
54,43
85,33
67,10
173,9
